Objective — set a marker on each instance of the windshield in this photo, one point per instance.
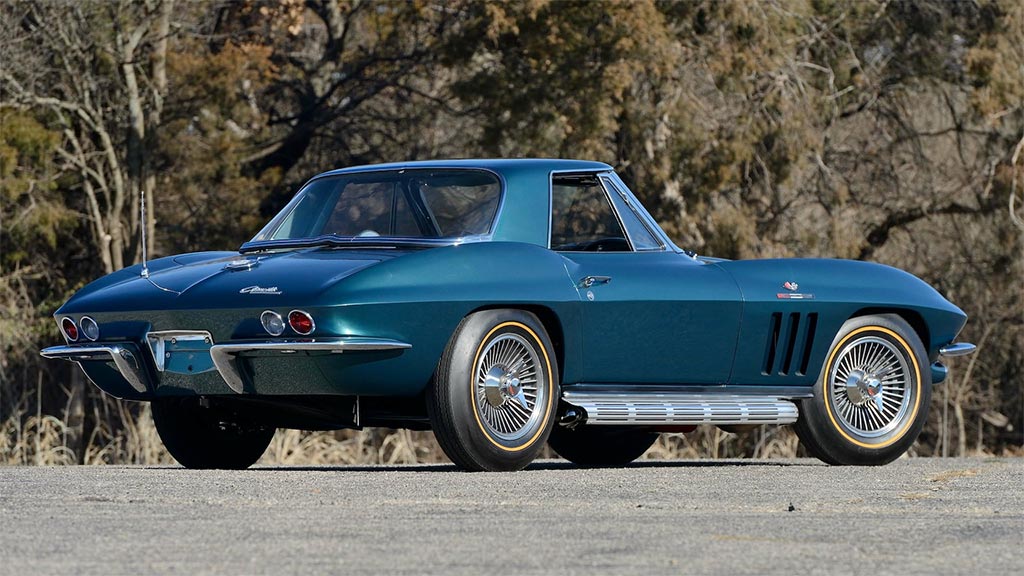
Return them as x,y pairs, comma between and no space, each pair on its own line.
434,204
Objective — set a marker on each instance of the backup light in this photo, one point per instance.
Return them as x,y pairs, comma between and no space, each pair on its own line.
90,329
301,322
67,325
272,322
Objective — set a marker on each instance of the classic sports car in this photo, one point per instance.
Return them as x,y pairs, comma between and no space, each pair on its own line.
504,304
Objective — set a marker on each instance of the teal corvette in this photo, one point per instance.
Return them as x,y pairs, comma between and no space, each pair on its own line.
504,304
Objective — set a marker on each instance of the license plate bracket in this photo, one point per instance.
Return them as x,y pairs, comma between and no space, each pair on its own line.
181,351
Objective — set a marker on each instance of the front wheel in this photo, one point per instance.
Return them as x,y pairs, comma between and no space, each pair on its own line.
206,438
493,398
871,399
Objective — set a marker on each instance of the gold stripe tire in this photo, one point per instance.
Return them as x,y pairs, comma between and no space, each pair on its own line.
872,396
493,397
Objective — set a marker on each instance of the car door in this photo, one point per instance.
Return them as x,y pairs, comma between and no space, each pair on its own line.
650,315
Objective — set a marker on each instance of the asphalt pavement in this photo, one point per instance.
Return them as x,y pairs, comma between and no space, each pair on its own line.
914,516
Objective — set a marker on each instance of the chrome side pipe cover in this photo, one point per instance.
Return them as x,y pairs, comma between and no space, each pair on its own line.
681,409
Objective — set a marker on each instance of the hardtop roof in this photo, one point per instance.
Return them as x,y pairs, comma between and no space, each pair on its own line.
499,165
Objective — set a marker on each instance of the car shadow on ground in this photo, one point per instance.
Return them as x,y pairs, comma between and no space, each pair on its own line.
537,466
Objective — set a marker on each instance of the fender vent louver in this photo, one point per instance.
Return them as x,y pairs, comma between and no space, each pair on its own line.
773,342
790,339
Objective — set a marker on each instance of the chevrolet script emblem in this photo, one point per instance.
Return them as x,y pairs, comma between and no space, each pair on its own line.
259,290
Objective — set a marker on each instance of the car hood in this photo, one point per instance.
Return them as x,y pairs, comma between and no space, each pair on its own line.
225,279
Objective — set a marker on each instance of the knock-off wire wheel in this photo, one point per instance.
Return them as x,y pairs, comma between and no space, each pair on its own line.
871,400
870,387
492,401
507,394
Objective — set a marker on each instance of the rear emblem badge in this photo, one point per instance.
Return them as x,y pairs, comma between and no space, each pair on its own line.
791,286
259,290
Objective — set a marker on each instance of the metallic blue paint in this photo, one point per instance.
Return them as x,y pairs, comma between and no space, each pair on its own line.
663,319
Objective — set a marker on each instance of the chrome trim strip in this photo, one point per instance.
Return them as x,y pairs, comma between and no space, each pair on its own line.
124,359
958,349
713,390
681,409
225,356
641,211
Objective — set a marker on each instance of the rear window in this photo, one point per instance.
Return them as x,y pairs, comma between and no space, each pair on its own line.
401,204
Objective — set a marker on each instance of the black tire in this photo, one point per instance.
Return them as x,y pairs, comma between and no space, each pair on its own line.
468,410
206,438
871,400
601,446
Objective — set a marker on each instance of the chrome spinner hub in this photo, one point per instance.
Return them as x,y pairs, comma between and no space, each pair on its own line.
862,388
500,385
508,392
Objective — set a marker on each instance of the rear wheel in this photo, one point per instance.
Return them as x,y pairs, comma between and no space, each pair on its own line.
596,446
871,400
493,398
204,438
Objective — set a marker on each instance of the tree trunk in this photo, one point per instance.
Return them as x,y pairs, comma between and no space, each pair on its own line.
163,30
75,416
961,430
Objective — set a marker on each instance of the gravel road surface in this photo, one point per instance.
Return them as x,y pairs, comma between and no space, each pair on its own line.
925,516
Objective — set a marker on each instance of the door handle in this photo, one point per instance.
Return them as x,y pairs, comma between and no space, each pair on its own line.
588,281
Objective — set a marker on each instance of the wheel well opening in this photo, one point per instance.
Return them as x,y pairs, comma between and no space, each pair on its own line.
913,318
551,323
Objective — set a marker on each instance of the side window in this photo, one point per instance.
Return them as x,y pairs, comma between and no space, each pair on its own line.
641,236
582,219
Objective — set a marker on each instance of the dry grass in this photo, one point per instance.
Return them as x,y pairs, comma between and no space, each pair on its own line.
948,475
38,440
133,439
367,446
712,442
127,435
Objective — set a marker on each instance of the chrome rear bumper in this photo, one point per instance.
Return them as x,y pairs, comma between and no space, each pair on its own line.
128,364
225,356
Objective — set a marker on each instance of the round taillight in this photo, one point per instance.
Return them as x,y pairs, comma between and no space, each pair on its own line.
69,328
90,329
301,322
272,322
